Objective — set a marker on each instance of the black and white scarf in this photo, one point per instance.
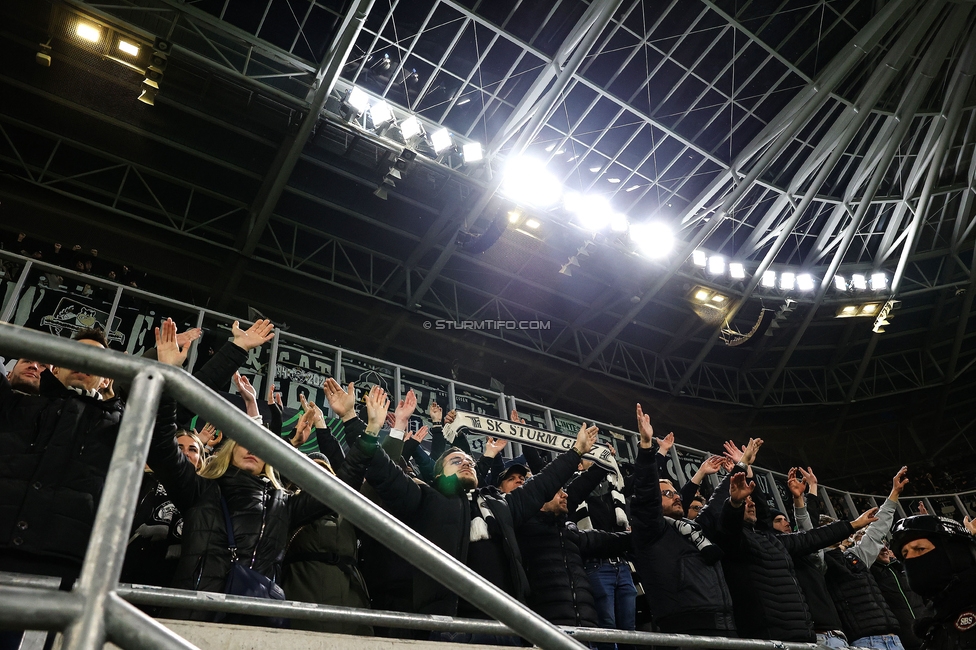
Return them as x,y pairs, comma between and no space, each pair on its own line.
480,516
613,484
693,532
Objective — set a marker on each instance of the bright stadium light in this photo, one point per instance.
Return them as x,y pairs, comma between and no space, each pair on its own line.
769,279
804,282
716,265
410,128
653,239
357,101
787,280
380,113
593,212
88,32
618,222
878,281
129,48
526,180
700,258
859,281
441,140
840,283
472,152
736,270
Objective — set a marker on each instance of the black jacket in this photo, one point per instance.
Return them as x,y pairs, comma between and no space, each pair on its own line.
445,519
553,550
905,604
56,450
952,626
683,590
759,569
860,603
262,515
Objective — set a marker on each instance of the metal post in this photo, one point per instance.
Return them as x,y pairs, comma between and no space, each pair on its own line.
11,305
512,406
679,471
850,505
451,397
777,497
37,608
106,546
930,507
397,386
827,504
131,629
900,509
963,510
113,310
191,360
500,403
549,423
272,363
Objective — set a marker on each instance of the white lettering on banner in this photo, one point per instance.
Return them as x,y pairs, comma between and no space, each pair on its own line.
479,423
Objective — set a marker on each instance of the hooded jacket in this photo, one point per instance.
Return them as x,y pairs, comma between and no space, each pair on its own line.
907,606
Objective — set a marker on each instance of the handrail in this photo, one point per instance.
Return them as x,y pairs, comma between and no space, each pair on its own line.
324,486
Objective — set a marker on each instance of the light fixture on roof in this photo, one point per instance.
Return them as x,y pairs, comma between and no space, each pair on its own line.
859,282
840,283
128,48
869,308
595,169
613,180
410,128
848,310
527,181
380,113
532,223
441,140
736,270
514,216
618,222
852,311
88,32
804,282
769,279
787,280
706,297
592,211
356,102
699,258
716,265
702,295
653,239
718,298
878,281
472,152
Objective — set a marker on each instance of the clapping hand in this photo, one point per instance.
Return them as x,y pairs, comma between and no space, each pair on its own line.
436,413
168,349
493,446
404,410
739,490
586,438
261,332
341,400
645,428
377,404
664,444
796,485
867,517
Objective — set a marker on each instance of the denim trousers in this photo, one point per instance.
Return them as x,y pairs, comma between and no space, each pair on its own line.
831,640
614,594
880,642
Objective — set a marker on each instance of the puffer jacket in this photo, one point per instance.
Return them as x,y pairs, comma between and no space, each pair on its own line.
759,570
907,606
262,514
860,603
56,450
684,592
952,625
553,550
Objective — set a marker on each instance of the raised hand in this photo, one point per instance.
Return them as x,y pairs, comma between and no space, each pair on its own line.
664,444
514,417
710,465
732,452
450,417
898,483
809,478
167,347
341,400
404,410
739,490
261,332
867,517
436,413
922,510
316,417
727,464
209,433
189,336
303,429
493,446
377,404
245,388
586,438
645,428
797,485
420,434
970,524
749,451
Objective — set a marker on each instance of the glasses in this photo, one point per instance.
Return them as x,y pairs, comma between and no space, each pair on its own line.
458,462
694,507
668,494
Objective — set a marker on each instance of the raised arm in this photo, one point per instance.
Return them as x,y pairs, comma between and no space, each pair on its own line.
873,541
808,541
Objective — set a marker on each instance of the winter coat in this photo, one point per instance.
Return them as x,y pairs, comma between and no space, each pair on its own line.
56,450
952,626
553,550
810,570
153,549
683,590
907,606
759,569
445,519
262,515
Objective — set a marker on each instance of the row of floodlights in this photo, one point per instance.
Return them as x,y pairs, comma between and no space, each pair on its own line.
93,34
788,280
380,114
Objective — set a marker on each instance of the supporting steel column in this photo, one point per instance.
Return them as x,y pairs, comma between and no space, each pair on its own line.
11,305
113,310
595,23
814,95
106,546
846,127
917,88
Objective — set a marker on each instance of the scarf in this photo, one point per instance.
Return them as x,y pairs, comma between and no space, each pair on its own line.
479,516
693,533
93,393
613,484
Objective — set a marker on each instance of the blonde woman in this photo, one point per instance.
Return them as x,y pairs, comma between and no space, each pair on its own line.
261,511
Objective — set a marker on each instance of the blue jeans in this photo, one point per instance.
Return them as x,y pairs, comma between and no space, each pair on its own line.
831,640
882,642
614,594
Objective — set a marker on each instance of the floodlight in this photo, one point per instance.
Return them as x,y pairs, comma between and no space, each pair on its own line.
859,282
618,222
787,280
849,310
357,100
718,298
840,283
410,128
88,32
593,212
472,152
613,180
380,113
441,140
595,169
700,258
526,180
129,48
716,265
702,295
653,239
514,216
804,282
878,281
869,308
769,279
737,270
533,224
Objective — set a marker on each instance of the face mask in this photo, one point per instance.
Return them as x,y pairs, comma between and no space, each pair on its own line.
930,573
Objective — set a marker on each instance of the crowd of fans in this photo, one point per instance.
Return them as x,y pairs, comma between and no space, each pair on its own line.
578,544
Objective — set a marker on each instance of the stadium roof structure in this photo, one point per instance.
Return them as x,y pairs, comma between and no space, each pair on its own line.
763,205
